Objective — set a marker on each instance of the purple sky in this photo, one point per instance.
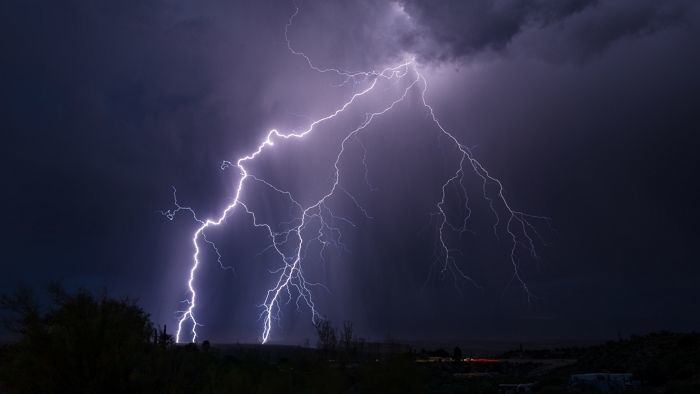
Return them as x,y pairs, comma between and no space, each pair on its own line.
586,110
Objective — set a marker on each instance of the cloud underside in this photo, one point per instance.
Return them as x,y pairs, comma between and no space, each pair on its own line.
375,31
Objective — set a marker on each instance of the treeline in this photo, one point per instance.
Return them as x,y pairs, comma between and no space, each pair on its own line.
659,360
84,343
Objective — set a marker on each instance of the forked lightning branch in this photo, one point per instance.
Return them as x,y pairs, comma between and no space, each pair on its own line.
290,282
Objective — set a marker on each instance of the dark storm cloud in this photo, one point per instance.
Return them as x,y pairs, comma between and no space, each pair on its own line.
446,29
373,33
105,105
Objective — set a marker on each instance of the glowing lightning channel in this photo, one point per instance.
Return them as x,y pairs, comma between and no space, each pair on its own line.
518,225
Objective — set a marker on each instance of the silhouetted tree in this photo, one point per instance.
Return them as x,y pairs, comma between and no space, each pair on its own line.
327,339
346,336
163,339
82,343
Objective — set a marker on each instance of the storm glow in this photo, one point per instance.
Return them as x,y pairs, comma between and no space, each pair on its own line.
290,282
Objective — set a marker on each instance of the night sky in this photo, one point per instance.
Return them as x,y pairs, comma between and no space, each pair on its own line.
587,111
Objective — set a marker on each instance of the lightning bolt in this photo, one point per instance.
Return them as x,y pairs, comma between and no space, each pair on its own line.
317,223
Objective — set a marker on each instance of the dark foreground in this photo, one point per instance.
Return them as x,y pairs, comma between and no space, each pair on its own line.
87,344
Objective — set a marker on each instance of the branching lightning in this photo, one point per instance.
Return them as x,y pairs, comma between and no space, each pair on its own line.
291,283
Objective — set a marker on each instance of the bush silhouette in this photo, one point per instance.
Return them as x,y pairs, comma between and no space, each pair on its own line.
82,343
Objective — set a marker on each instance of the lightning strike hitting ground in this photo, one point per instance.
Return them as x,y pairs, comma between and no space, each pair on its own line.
516,224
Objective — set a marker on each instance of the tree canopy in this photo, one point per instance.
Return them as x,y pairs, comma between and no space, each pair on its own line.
81,343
